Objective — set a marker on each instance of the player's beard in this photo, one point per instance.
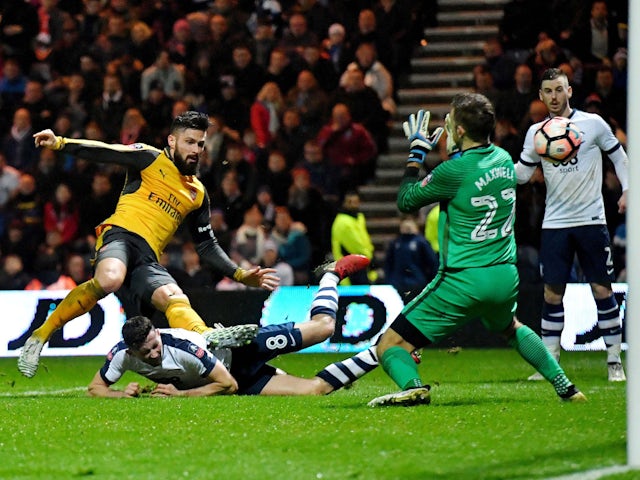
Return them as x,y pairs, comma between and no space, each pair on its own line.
184,166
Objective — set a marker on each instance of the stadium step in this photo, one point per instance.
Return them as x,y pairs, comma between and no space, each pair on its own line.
441,66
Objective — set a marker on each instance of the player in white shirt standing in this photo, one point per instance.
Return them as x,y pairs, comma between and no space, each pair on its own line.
574,220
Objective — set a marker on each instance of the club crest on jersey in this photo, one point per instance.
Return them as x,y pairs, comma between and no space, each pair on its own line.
426,180
196,350
193,194
136,146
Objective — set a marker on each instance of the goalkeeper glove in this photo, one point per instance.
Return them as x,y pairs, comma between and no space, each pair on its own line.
452,149
417,131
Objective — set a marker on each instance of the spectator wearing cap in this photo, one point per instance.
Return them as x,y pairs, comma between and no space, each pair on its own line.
337,48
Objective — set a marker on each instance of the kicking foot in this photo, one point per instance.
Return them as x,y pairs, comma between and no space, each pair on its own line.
344,267
574,395
229,337
616,373
30,356
405,398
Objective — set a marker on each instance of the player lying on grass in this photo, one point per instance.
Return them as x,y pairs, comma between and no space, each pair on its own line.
477,277
179,362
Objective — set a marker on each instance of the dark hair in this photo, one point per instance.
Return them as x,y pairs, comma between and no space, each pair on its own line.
191,119
136,330
552,74
475,113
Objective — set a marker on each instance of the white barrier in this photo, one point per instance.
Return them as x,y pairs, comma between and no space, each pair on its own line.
364,312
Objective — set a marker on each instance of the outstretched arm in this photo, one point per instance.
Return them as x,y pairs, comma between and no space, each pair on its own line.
138,155
221,383
99,388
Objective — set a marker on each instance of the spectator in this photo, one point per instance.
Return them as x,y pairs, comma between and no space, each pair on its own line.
365,107
310,100
280,70
48,174
337,48
349,235
249,77
167,73
321,175
156,109
135,128
394,17
376,75
220,229
191,275
291,136
410,262
514,103
247,245
65,56
12,84
501,66
61,215
17,144
233,108
306,205
277,178
26,208
296,36
48,267
614,100
536,113
18,28
271,259
96,206
266,206
369,32
114,41
12,275
9,182
40,108
293,243
109,109
144,44
77,103
77,268
229,199
180,45
321,67
265,114
483,83
349,147
596,39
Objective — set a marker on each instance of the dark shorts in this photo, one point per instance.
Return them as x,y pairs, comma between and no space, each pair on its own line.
249,363
590,243
144,273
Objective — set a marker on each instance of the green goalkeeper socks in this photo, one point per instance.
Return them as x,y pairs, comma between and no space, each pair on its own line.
530,347
400,366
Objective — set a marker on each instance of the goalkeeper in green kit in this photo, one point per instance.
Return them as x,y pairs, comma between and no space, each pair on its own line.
477,278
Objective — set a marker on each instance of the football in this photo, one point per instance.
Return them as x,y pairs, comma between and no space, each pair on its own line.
557,140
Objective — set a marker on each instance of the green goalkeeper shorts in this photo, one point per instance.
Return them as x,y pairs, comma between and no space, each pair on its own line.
454,298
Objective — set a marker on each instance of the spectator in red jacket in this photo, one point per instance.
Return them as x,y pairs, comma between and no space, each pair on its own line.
349,148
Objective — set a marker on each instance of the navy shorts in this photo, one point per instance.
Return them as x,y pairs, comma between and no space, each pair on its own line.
144,273
591,245
249,363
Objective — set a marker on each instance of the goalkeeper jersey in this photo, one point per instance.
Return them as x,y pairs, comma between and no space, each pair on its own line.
574,189
477,194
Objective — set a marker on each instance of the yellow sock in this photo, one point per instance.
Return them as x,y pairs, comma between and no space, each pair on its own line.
80,300
180,315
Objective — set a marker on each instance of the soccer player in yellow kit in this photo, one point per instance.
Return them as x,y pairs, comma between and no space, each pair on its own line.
160,192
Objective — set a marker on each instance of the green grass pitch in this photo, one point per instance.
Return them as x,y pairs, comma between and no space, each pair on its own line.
485,422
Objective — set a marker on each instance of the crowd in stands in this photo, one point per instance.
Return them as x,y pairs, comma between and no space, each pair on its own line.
588,41
299,93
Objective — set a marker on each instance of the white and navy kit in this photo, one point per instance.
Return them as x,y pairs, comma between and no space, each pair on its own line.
574,189
186,363
574,220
